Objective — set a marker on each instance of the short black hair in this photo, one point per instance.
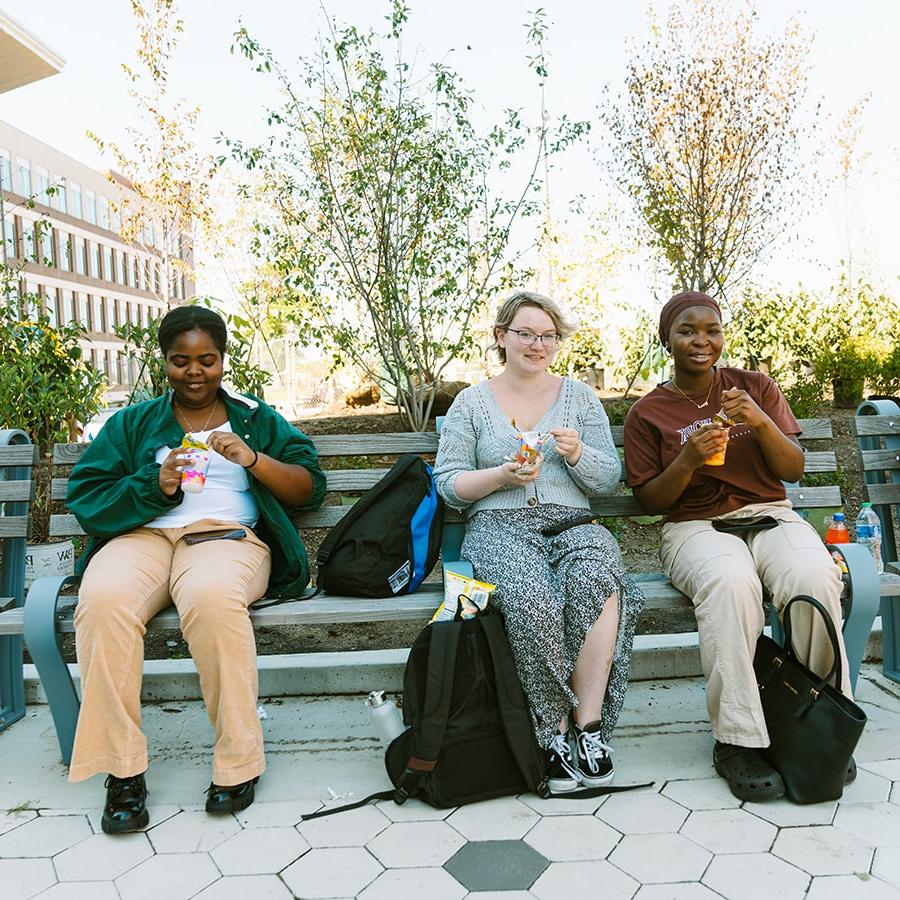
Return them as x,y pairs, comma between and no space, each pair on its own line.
186,318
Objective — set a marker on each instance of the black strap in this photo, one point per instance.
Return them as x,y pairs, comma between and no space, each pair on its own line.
380,795
277,601
519,734
432,726
587,793
836,666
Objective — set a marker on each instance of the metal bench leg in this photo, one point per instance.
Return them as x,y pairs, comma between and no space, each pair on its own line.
45,647
865,598
890,637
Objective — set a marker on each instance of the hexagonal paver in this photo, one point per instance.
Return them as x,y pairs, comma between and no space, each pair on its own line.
559,806
331,872
259,851
657,858
412,811
240,887
685,891
413,844
496,865
102,857
170,875
501,895
887,865
349,829
575,879
44,836
823,850
701,793
190,832
413,884
868,788
494,820
850,887
79,890
281,812
10,820
895,794
785,814
749,876
729,831
566,840
25,877
888,768
642,813
877,824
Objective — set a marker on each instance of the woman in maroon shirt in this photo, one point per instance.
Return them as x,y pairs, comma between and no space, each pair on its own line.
673,437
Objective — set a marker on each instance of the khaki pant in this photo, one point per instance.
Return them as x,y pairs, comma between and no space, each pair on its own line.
724,575
128,581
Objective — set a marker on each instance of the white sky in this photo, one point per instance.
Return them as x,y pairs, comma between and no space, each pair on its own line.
855,51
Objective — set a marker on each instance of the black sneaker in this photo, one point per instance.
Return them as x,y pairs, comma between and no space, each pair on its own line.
126,808
562,776
594,758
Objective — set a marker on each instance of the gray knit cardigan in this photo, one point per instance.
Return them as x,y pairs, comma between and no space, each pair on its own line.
477,435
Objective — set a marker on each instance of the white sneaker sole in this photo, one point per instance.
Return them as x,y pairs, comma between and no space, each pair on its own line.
562,785
595,781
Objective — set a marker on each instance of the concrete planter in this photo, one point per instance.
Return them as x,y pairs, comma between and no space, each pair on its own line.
48,559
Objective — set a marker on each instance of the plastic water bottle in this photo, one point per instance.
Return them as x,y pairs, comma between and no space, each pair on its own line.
388,720
868,533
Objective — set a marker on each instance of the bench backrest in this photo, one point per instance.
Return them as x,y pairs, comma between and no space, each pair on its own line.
878,440
17,458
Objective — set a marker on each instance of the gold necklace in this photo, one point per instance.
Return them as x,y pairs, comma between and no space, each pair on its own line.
691,400
191,428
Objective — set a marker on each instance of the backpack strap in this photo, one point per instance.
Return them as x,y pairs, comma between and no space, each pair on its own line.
519,733
430,730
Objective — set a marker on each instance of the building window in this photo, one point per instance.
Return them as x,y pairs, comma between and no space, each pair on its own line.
58,201
103,213
93,255
115,220
65,251
97,313
50,306
33,300
121,267
5,171
110,313
80,251
75,197
90,207
46,246
41,183
23,174
107,263
9,236
81,309
28,242
67,306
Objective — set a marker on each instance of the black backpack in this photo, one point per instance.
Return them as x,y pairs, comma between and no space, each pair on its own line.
389,540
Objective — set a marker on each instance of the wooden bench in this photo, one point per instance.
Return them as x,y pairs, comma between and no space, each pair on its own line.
47,615
17,457
877,430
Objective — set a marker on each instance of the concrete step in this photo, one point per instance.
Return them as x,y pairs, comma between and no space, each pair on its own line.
655,656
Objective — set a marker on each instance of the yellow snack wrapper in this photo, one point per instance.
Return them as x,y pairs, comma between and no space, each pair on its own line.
462,595
189,442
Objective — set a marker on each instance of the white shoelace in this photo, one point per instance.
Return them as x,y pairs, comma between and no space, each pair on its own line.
592,749
560,746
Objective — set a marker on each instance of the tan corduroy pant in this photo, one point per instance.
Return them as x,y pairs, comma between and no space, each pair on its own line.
212,585
724,575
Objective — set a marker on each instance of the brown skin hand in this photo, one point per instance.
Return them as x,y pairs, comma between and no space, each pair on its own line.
194,369
696,341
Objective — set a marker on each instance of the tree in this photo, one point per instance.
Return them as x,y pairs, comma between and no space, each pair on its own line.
384,215
706,139
165,179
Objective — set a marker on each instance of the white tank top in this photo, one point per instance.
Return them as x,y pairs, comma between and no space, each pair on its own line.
226,494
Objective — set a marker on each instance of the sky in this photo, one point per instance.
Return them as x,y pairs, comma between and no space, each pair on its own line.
853,52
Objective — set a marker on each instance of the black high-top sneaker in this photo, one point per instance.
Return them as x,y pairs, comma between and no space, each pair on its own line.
126,805
593,757
562,776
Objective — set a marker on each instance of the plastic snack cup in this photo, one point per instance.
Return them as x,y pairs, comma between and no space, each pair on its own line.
196,465
718,459
531,444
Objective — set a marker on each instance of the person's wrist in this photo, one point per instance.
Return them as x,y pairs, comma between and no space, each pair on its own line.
255,460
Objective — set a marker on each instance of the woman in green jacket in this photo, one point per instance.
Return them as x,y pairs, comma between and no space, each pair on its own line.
152,544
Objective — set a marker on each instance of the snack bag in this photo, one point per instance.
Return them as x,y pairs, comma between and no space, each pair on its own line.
462,595
531,443
196,456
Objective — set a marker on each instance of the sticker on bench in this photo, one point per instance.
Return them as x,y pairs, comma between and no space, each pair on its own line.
400,578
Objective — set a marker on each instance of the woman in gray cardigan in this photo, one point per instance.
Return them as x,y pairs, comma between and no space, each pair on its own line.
568,605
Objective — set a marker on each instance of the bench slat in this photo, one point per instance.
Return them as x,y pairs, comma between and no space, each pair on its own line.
877,493
810,430
18,455
866,426
13,491
880,460
15,526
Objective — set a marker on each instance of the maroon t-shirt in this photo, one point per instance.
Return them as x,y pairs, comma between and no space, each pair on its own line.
660,423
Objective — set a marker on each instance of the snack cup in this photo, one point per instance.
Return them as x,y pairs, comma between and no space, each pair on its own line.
193,475
718,459
531,444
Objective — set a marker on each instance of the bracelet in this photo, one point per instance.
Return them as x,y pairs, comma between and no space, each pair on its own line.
255,460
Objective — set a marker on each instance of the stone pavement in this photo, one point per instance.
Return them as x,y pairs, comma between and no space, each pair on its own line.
686,837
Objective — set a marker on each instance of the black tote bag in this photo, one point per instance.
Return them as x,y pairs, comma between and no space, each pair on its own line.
813,727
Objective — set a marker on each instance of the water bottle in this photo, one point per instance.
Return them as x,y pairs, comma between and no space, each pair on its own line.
868,533
388,720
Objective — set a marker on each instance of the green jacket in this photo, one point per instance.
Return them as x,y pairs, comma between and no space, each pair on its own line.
114,488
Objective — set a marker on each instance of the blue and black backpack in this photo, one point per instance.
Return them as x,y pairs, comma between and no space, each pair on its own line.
389,540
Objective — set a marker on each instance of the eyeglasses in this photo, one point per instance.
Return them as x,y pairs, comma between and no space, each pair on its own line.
526,338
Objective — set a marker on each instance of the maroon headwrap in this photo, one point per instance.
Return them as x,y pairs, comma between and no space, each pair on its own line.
677,305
